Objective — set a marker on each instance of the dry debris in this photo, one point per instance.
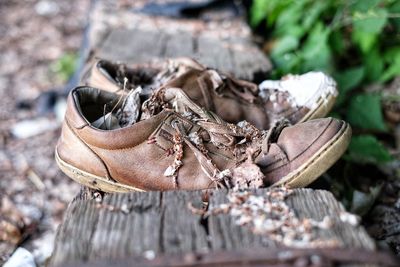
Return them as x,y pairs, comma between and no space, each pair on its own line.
128,114
269,215
16,223
247,175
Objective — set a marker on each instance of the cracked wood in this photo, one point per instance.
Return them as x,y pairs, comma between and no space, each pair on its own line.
136,224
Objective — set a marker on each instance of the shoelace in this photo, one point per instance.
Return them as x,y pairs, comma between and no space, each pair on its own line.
222,134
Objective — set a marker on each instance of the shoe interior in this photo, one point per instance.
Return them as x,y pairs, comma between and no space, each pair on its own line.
93,103
142,76
108,111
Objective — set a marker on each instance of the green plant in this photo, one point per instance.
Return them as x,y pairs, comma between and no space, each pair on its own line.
355,41
64,67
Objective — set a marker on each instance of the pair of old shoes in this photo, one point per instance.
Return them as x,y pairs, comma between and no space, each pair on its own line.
180,125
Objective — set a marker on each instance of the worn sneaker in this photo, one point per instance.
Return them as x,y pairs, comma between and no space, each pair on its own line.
297,98
172,143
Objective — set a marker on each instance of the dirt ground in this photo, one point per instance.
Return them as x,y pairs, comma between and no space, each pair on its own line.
33,192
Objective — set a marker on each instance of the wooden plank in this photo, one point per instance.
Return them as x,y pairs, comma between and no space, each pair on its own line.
134,226
138,224
324,204
181,44
76,226
132,45
214,54
256,257
182,230
130,224
122,35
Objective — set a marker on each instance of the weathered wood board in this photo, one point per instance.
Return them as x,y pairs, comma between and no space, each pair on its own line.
138,224
121,34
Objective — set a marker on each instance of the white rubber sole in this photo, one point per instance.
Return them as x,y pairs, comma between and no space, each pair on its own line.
324,106
93,181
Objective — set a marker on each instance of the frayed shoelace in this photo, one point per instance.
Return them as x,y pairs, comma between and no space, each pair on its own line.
223,135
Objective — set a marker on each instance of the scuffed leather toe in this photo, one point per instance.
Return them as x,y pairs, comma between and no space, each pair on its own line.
304,139
297,145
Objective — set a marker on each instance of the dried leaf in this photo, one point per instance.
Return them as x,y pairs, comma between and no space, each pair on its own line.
107,122
129,112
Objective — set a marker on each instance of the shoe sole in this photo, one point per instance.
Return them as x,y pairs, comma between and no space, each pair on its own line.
320,162
93,181
324,106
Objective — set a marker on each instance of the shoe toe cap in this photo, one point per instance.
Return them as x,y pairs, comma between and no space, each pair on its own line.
303,140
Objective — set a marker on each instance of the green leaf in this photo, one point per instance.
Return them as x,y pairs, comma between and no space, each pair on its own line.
365,112
364,40
286,63
322,60
316,41
316,52
391,72
372,21
296,31
258,12
314,13
284,45
367,149
290,15
348,80
336,41
364,5
373,62
288,21
271,9
395,8
390,54
393,57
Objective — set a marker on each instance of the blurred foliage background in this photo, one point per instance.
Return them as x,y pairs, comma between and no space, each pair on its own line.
358,43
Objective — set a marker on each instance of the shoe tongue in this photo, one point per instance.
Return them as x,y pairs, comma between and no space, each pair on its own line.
226,85
171,69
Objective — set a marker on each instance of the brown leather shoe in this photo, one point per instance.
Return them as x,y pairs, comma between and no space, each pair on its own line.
177,145
297,98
